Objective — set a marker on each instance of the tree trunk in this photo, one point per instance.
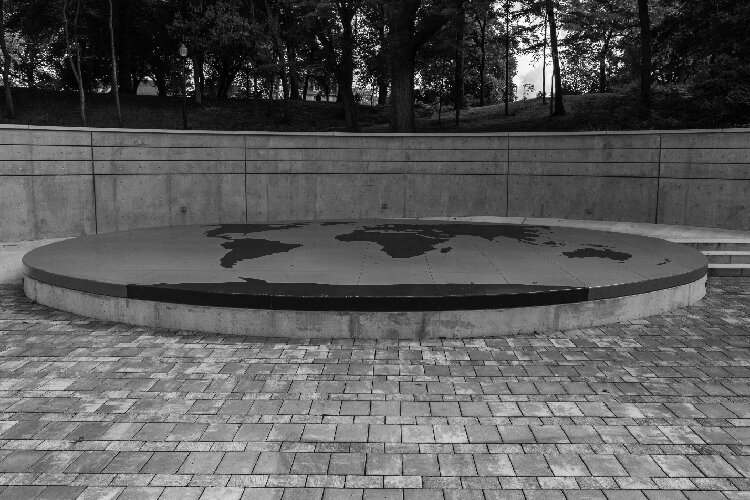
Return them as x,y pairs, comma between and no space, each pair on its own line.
81,98
256,97
346,68
401,17
507,55
458,86
381,78
645,23
544,62
306,86
115,86
559,107
603,64
402,95
10,109
482,62
125,46
198,79
160,80
382,81
291,51
279,49
74,49
403,42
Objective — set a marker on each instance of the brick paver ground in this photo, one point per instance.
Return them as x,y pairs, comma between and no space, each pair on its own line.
655,409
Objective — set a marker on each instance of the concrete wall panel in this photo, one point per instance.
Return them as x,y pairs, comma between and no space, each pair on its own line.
594,169
389,155
338,196
156,139
63,206
583,141
699,156
168,166
292,196
35,207
706,170
149,178
710,139
384,141
455,195
593,198
133,201
376,167
17,208
584,155
705,202
383,196
124,153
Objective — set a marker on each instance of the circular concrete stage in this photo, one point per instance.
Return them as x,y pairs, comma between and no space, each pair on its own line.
387,278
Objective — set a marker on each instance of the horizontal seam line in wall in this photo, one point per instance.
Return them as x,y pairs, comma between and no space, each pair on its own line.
379,173
46,175
378,161
299,148
586,175
171,173
277,173
530,162
706,178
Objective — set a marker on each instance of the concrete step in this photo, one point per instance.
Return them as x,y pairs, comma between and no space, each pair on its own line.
715,245
734,270
727,256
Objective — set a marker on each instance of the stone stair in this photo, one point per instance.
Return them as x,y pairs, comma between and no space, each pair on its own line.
728,250
726,257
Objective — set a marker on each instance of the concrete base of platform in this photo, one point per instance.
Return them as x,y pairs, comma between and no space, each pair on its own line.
337,324
11,253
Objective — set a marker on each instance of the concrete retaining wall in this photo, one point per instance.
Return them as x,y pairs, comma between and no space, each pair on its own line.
67,182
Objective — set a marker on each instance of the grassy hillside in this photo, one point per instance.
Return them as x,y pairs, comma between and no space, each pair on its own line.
615,111
43,107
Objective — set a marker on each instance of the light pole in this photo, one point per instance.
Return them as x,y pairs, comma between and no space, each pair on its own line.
183,55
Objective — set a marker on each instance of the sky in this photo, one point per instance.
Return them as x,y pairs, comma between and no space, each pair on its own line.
530,72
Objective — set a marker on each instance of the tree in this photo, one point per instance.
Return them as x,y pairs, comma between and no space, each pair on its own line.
278,47
115,86
645,23
507,91
484,16
458,87
408,29
373,47
73,53
10,110
336,35
593,28
559,107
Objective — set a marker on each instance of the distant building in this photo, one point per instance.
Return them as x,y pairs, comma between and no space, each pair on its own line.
314,93
147,87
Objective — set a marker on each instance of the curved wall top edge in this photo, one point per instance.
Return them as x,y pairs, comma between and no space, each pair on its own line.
375,134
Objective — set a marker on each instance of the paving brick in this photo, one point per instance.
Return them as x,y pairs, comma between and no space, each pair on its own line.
493,465
654,408
568,465
164,462
530,465
237,462
347,464
457,465
383,464
420,465
201,462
